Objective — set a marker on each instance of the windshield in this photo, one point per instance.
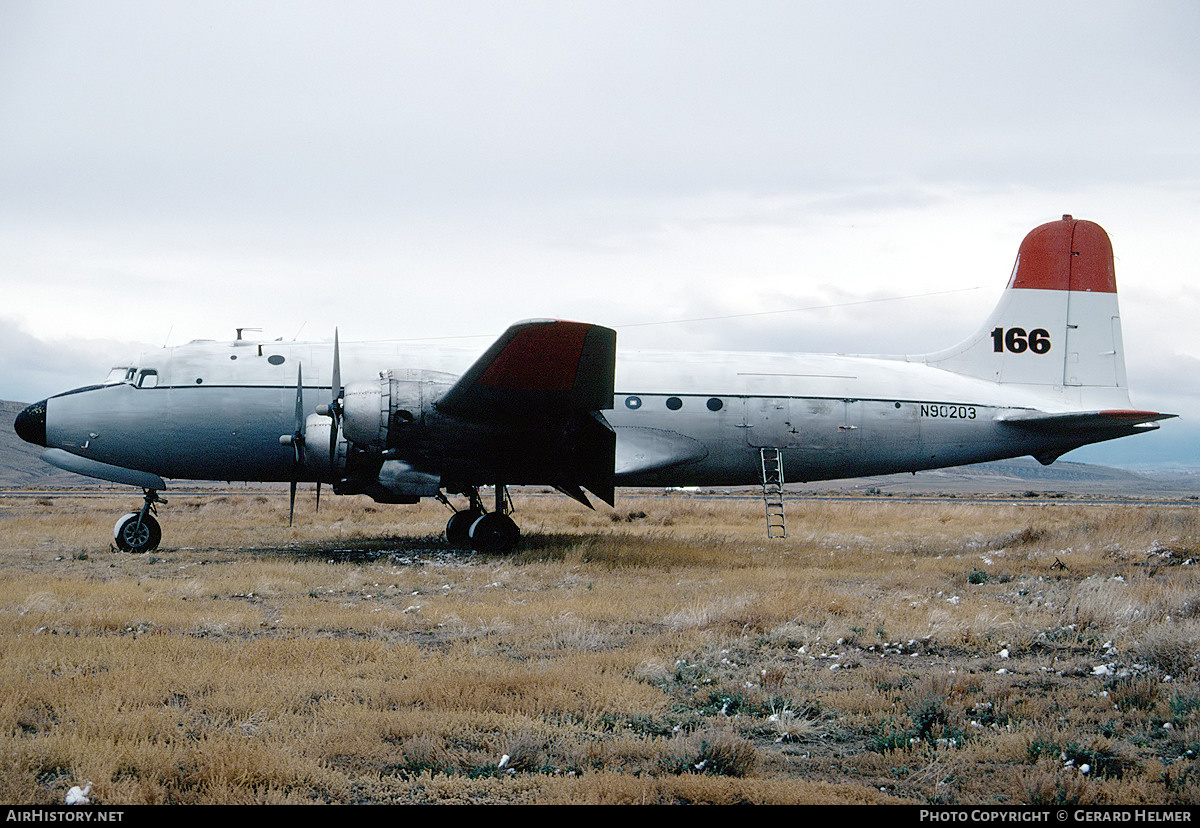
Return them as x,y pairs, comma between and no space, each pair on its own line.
121,373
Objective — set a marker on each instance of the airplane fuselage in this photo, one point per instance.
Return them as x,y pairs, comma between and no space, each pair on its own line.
215,411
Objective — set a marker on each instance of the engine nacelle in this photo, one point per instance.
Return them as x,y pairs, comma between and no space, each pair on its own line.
355,470
317,446
380,414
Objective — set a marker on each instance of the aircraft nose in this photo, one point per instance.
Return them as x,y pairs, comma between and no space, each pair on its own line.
30,424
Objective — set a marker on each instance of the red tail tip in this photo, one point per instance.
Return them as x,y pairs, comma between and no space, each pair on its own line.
1066,255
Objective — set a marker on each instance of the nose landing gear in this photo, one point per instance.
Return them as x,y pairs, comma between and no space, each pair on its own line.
139,532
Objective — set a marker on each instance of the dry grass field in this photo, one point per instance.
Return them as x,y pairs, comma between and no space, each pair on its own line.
940,652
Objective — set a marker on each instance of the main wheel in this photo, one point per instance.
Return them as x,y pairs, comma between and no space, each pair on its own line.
137,536
494,532
458,528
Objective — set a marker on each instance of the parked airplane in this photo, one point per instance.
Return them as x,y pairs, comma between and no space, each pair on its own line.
550,404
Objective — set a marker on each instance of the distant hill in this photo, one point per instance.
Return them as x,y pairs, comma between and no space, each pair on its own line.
1023,474
21,465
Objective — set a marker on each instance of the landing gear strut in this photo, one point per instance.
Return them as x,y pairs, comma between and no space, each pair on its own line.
481,530
139,532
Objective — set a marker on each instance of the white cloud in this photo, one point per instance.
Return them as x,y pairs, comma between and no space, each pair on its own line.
171,171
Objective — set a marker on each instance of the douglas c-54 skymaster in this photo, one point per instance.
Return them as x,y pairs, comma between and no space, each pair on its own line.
551,404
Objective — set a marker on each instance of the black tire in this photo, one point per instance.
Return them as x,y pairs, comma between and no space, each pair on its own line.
494,533
458,528
132,536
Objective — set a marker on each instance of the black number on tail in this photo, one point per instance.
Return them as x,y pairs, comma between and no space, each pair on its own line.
1017,341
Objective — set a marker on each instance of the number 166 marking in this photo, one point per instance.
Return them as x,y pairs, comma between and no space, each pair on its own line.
1018,341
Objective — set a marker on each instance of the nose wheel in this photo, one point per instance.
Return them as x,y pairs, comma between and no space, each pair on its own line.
139,532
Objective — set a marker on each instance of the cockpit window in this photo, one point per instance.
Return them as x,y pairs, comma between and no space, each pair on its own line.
147,379
119,374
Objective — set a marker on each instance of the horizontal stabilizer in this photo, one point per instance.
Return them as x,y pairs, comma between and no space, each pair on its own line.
538,369
1077,422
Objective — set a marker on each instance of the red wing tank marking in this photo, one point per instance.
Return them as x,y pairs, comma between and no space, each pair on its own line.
538,359
538,368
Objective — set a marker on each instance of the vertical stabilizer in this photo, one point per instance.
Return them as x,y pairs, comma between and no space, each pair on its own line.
1057,327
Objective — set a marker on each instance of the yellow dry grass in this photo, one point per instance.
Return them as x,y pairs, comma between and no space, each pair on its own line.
941,651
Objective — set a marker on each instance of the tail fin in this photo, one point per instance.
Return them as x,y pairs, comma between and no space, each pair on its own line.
1057,328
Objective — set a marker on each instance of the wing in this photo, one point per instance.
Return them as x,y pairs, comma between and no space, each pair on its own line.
644,450
542,386
103,471
538,368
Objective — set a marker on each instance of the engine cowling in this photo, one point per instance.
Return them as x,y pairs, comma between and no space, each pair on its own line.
383,413
317,446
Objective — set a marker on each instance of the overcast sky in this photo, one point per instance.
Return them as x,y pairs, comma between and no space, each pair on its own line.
175,170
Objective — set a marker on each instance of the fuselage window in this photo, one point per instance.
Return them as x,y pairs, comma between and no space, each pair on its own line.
275,359
633,403
674,403
147,379
715,404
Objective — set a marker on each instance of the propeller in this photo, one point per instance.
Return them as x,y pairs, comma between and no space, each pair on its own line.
333,409
296,441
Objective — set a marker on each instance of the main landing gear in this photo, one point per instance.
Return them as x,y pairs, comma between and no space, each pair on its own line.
138,531
476,528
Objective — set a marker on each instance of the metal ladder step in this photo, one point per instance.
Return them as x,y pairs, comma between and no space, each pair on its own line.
772,483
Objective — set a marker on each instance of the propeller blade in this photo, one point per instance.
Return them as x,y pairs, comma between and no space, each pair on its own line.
299,430
335,407
337,369
297,444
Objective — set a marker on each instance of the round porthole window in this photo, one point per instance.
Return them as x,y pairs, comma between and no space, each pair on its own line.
275,359
633,403
674,403
714,404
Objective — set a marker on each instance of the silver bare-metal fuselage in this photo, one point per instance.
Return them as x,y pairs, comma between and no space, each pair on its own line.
215,411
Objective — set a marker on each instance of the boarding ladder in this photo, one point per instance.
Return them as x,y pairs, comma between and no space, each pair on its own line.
772,486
